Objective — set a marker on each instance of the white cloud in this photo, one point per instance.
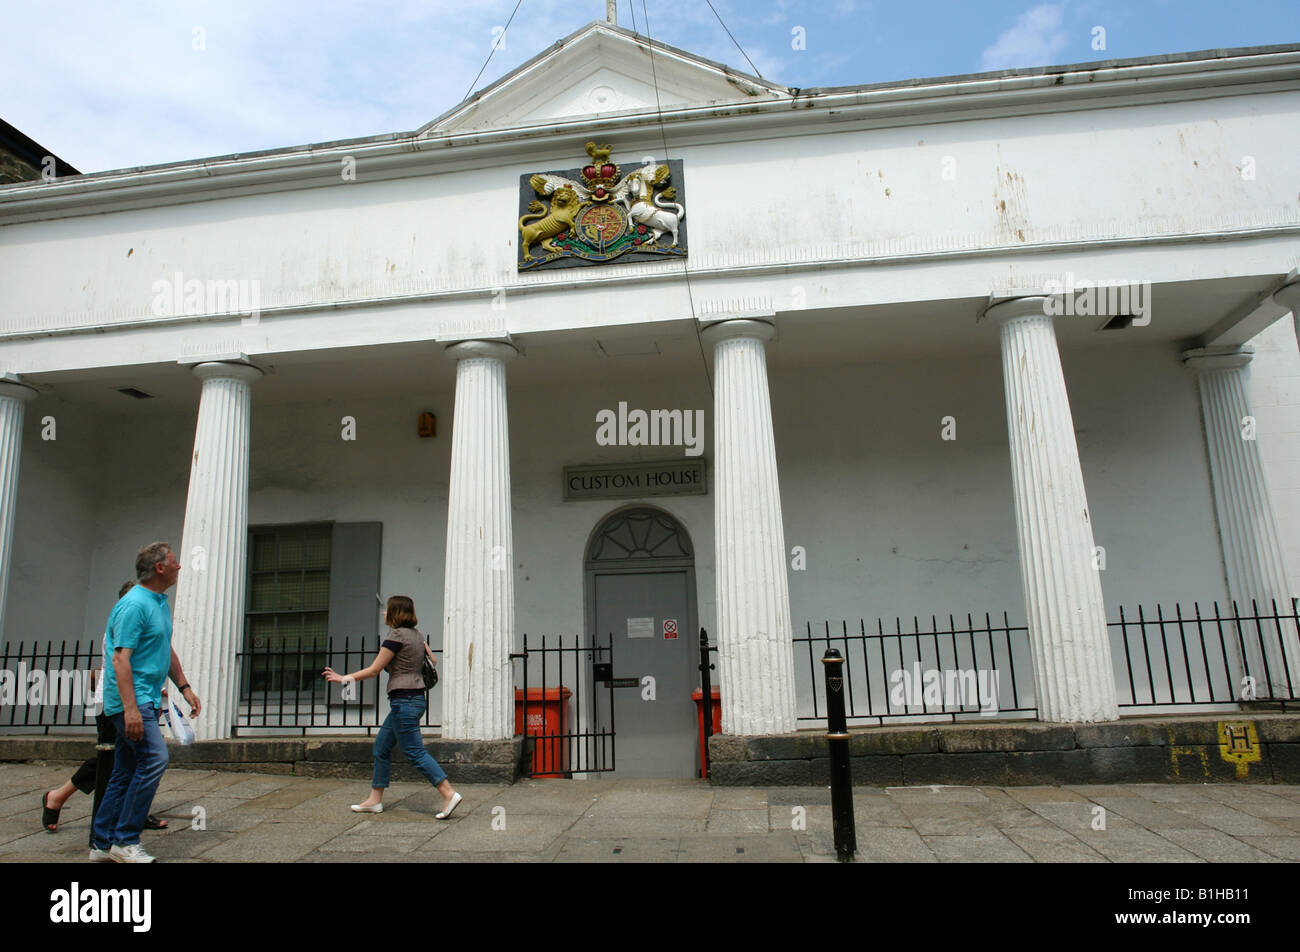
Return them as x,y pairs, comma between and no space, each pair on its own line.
108,86
1037,38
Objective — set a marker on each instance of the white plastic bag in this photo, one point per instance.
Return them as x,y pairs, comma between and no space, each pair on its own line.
178,723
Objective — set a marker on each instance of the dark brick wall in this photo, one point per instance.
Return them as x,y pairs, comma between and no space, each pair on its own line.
465,761
1188,749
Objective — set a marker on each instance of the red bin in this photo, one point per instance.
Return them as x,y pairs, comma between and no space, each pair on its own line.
547,714
698,697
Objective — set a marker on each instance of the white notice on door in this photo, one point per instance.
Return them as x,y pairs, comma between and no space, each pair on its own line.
640,627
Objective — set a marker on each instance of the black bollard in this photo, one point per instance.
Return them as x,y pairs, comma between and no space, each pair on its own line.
706,701
837,740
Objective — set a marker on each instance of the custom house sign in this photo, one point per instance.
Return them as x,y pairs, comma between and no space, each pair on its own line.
678,477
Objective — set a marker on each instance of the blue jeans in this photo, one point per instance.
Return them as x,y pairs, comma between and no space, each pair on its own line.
402,725
138,767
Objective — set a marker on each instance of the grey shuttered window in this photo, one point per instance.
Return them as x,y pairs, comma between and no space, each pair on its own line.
309,586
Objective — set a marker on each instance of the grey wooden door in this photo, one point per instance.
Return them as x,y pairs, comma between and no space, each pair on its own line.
654,721
641,594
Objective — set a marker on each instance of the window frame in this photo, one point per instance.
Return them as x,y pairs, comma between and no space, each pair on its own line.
305,692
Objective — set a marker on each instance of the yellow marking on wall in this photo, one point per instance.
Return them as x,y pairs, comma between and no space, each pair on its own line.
1239,745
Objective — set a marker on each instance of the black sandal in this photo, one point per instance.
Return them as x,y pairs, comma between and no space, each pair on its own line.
49,815
153,823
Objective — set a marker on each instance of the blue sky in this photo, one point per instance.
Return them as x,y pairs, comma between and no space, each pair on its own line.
141,82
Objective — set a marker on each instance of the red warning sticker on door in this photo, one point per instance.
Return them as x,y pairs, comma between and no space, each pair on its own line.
670,629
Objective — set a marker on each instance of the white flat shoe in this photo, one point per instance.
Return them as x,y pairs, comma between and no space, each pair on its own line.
455,802
358,808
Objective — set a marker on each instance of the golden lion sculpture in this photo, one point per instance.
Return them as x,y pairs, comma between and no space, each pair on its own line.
542,225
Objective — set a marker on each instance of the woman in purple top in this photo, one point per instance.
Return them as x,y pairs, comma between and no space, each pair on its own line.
402,654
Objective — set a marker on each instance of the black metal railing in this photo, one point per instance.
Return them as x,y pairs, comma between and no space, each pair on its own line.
963,670
281,689
564,698
564,706
48,685
1165,659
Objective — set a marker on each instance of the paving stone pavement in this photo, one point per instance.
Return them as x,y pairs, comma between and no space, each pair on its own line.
221,817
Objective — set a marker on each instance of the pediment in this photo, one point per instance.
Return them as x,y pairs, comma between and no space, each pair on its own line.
602,70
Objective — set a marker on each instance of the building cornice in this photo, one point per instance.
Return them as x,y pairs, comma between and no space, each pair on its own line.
642,276
1059,89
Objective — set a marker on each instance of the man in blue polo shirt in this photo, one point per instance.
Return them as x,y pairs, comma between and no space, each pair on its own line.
138,658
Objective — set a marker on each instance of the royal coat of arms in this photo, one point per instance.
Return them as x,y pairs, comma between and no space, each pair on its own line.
596,214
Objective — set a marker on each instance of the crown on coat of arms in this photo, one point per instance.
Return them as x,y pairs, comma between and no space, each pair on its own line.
602,173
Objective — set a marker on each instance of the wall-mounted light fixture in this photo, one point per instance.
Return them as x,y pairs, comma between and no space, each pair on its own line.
428,425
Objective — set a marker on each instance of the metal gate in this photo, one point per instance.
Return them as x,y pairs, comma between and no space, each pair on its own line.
555,709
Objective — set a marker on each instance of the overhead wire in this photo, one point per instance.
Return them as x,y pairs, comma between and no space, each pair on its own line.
495,44
663,137
734,40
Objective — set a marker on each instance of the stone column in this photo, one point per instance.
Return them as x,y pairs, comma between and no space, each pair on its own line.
479,593
1073,678
208,620
1253,556
13,398
755,647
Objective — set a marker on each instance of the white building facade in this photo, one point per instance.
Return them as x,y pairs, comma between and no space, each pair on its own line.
912,403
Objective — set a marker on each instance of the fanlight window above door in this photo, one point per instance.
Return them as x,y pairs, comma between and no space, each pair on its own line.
640,534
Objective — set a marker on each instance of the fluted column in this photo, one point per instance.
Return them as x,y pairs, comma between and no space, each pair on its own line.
208,620
479,592
1253,555
1073,678
13,400
755,647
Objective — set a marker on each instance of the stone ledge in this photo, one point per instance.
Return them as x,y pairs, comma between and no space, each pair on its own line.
809,744
1128,764
774,773
892,740
1005,737
883,770
495,761
1285,762
401,771
1278,730
1166,749
238,750
1048,767
968,770
39,747
1153,733
285,769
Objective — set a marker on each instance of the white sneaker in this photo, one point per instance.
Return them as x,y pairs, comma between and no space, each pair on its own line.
100,856
130,854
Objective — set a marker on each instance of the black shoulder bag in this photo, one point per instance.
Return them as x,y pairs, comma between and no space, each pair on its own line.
428,672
